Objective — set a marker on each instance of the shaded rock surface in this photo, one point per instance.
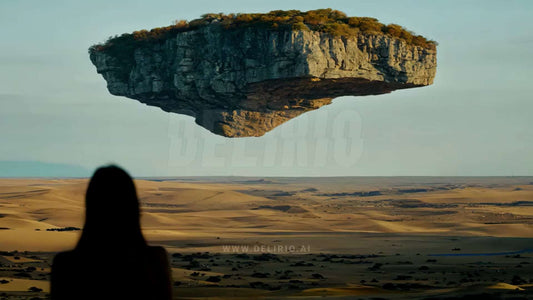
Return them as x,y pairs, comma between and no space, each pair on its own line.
244,82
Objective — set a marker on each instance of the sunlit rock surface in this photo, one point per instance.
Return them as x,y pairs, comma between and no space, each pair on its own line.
245,82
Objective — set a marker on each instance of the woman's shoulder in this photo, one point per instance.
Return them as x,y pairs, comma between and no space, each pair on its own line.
74,257
64,257
66,261
157,251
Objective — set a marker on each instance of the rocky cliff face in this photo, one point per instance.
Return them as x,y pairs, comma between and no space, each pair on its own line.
244,82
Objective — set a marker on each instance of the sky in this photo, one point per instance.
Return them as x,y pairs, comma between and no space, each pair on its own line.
58,119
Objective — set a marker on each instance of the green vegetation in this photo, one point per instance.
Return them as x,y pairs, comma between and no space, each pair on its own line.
323,20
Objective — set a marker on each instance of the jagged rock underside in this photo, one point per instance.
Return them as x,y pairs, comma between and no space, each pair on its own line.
244,82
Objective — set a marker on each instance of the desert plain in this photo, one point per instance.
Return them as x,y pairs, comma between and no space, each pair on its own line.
298,238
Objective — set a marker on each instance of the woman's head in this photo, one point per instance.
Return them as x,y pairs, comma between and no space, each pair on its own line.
112,210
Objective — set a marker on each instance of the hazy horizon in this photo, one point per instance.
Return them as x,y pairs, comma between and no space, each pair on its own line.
57,117
20,170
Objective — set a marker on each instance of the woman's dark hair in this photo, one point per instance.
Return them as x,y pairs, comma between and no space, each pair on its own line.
112,215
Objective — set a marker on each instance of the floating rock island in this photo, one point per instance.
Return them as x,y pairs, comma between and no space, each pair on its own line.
242,75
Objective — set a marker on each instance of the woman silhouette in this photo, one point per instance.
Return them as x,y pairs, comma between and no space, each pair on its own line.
112,259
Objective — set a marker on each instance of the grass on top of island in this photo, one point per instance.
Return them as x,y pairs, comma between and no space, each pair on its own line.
327,20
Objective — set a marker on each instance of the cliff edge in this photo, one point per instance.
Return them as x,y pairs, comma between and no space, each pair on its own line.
243,81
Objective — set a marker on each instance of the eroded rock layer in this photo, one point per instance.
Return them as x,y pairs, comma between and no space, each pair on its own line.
244,82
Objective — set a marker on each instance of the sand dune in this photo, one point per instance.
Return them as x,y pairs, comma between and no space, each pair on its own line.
16,284
178,208
396,222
